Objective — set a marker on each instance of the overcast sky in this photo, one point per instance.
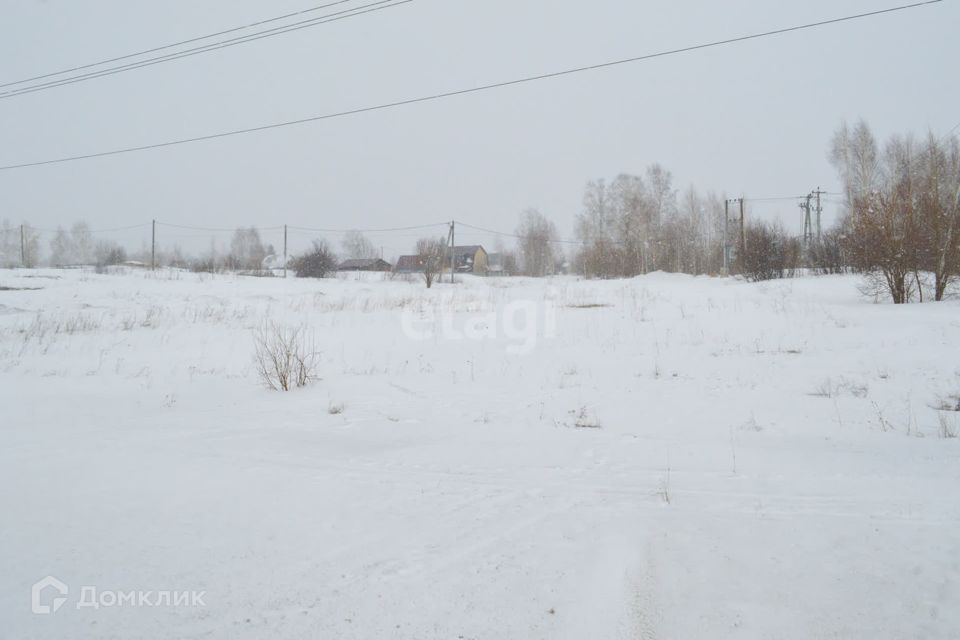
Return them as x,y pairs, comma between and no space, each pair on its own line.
751,119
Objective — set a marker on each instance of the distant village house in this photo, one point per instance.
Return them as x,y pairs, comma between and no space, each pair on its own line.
467,259
365,264
470,259
409,264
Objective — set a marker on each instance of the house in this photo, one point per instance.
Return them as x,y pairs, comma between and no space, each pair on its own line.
365,264
470,259
409,264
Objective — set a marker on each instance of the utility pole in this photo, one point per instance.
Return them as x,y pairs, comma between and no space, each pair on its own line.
284,251
153,246
819,193
805,206
453,248
726,225
727,258
808,208
23,249
743,225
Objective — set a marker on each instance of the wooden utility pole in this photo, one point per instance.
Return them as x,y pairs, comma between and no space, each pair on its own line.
23,248
284,251
743,225
726,225
153,245
819,193
453,248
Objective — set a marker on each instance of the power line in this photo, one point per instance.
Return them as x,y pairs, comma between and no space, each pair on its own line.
175,44
471,90
44,230
388,230
225,229
784,198
333,17
520,237
117,229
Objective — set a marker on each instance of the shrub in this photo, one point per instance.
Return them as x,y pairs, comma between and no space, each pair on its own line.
316,263
826,254
284,357
768,253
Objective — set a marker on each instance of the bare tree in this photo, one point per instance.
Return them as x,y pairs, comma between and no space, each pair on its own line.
9,245
66,248
855,155
596,230
355,245
686,234
431,253
885,236
31,246
663,202
632,226
939,170
61,248
246,250
632,217
83,243
537,238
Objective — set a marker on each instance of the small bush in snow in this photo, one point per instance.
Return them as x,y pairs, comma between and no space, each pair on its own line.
586,420
284,357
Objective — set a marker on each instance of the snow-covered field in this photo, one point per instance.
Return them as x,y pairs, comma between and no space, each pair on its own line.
665,457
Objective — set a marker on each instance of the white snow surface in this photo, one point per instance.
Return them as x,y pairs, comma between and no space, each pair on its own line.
683,458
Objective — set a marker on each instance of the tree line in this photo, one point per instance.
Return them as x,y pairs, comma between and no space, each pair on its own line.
899,228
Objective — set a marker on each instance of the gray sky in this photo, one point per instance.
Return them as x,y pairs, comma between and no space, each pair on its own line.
751,119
